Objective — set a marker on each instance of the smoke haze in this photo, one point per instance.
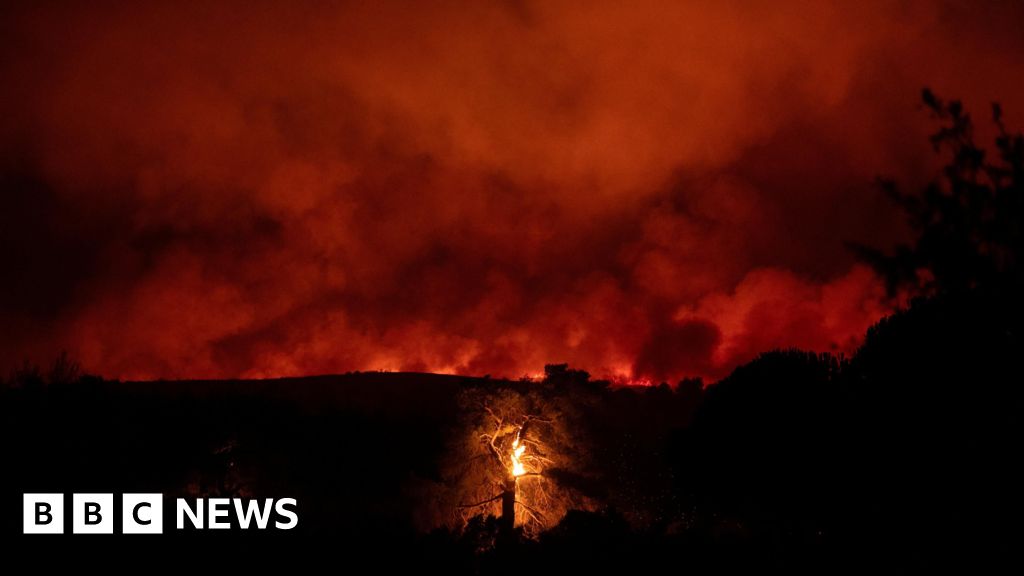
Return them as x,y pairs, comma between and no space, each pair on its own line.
645,190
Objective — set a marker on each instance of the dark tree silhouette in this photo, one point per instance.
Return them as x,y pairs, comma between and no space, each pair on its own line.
968,221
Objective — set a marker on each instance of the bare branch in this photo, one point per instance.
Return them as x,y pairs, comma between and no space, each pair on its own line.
533,517
495,453
537,512
481,503
532,513
491,412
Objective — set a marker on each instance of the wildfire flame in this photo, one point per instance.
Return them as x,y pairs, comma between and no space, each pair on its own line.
517,452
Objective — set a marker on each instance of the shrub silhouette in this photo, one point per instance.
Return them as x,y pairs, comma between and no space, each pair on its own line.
968,221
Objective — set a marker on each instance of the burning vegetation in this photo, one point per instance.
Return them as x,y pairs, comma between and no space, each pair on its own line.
523,493
514,461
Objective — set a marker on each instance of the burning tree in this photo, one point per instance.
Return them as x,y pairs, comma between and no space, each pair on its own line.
513,457
519,457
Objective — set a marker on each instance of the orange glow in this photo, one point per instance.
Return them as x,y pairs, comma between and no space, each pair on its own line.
647,191
516,456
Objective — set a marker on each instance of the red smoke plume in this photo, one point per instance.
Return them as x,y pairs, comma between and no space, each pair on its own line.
644,190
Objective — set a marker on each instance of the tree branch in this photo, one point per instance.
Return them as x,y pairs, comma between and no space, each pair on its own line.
481,503
491,412
537,512
534,514
490,444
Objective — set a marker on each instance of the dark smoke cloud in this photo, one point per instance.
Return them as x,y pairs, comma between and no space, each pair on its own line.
645,190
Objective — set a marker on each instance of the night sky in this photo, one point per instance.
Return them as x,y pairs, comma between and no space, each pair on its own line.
644,190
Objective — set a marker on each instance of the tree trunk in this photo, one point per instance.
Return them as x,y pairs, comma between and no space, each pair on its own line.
508,507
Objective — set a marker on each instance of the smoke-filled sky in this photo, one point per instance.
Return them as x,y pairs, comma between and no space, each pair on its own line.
647,190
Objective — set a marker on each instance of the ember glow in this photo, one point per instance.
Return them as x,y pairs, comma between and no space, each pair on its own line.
647,190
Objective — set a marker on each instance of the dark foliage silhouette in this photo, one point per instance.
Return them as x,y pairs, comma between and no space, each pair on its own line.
968,222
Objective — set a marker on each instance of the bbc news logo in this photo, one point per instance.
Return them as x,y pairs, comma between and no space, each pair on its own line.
143,513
